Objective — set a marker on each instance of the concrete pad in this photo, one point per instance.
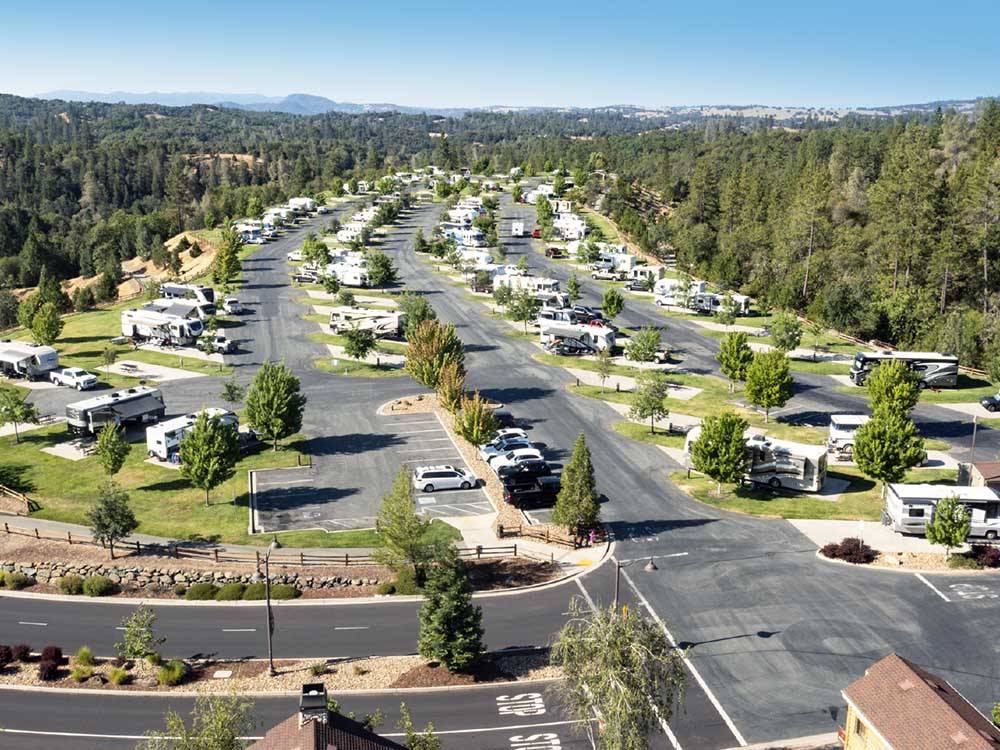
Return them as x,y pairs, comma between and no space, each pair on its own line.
8,429
832,489
968,409
153,461
675,419
73,450
845,380
386,360
939,460
713,326
360,298
146,371
31,385
874,534
190,352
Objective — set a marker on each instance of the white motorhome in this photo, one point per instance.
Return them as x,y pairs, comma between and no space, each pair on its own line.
160,328
22,359
517,229
471,237
935,370
138,404
842,430
570,226
302,204
710,303
530,283
677,292
348,274
641,273
383,323
163,440
203,294
598,337
182,308
779,464
908,507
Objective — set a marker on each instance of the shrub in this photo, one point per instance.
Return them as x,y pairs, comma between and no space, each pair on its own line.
318,669
986,555
284,591
850,549
98,586
231,592
195,250
406,583
84,656
118,676
21,652
48,671
172,673
16,581
963,562
52,653
81,673
180,589
253,592
71,584
201,592
154,659
6,656
388,588
359,670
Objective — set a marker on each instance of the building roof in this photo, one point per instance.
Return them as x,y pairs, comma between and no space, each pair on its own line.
913,709
337,732
989,470
932,492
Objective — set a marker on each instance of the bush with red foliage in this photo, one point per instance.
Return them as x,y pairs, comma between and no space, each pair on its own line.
48,671
53,654
986,555
6,656
22,652
851,549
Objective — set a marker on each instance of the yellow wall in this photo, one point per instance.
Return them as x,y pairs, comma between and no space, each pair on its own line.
867,740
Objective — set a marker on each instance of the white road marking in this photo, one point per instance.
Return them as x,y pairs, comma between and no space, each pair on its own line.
417,432
426,500
655,557
426,450
414,421
352,627
239,630
687,662
501,729
282,484
39,624
932,587
87,735
585,594
428,440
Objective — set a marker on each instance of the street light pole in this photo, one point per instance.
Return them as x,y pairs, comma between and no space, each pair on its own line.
649,567
275,544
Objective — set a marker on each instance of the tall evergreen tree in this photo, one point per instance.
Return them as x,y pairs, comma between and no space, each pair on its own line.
451,629
577,505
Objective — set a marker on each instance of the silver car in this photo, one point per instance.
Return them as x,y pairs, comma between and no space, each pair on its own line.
431,478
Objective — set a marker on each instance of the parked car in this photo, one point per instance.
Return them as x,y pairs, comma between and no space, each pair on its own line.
569,348
585,313
507,432
516,456
295,256
74,377
523,491
232,306
555,252
445,477
536,467
219,343
536,234
504,445
607,274
990,403
306,277
636,285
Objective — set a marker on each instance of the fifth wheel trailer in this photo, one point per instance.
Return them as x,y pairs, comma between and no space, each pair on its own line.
139,404
908,507
22,359
778,463
163,440
149,325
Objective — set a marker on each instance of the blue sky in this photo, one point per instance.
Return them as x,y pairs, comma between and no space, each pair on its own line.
543,52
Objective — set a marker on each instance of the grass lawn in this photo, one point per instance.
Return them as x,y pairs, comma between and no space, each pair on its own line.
354,369
861,501
641,433
387,347
969,390
819,367
598,221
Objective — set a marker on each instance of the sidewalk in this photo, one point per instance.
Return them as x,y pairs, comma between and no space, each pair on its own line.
873,533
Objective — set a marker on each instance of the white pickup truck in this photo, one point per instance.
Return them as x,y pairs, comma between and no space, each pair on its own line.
74,377
607,274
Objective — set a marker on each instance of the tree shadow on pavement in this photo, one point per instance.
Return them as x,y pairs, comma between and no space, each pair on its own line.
351,443
637,529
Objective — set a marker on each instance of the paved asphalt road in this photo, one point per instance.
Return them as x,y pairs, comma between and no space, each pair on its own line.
772,632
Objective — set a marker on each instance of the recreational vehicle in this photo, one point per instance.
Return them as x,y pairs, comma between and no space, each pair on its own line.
934,369
348,274
711,303
160,328
139,404
22,359
182,308
383,323
842,430
163,440
529,283
778,463
557,315
908,507
642,273
302,205
594,336
677,292
203,294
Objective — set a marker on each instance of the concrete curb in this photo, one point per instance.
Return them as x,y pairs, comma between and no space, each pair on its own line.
346,601
911,571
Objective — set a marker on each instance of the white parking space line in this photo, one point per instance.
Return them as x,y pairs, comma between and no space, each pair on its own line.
416,432
427,440
352,627
239,630
36,624
425,450
415,421
282,484
437,459
932,587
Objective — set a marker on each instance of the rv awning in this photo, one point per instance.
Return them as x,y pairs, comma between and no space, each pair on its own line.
13,357
129,409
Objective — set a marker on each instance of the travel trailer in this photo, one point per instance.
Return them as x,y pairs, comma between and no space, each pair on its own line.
182,308
842,430
348,274
139,404
22,359
710,303
163,440
934,369
160,328
531,283
594,336
677,292
908,507
383,323
302,205
779,464
203,294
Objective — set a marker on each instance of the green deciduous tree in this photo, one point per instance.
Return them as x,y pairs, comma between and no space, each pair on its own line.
402,534
612,303
620,666
430,347
46,325
415,740
359,343
112,449
720,451
139,637
887,446
381,270
651,388
576,505
111,518
726,314
314,251
734,357
949,526
893,387
217,723
769,382
108,357
502,295
522,308
451,387
786,331
210,451
416,309
232,392
451,626
643,345
15,409
345,298
573,287
227,265
331,284
274,404
603,365
476,421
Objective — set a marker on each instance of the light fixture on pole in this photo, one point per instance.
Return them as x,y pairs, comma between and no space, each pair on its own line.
275,544
649,567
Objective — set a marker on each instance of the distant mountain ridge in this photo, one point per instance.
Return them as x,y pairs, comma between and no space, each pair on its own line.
311,104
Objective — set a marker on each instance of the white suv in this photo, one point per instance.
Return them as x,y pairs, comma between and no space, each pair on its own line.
431,478
503,445
516,456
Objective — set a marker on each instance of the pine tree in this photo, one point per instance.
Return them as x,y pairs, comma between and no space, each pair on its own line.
769,382
111,518
451,626
402,534
274,405
734,357
720,451
431,346
112,448
949,526
651,388
576,505
887,446
210,451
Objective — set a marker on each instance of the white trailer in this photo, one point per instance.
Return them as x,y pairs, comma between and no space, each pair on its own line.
302,205
908,507
642,273
22,359
160,328
598,337
383,323
138,404
163,440
529,283
203,294
779,464
348,274
710,303
517,229
182,308
842,430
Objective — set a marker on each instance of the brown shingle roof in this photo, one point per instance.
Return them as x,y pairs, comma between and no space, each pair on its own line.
336,733
916,710
989,470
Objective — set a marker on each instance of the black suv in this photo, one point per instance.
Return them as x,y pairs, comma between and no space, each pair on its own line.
569,348
534,491
990,403
529,469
